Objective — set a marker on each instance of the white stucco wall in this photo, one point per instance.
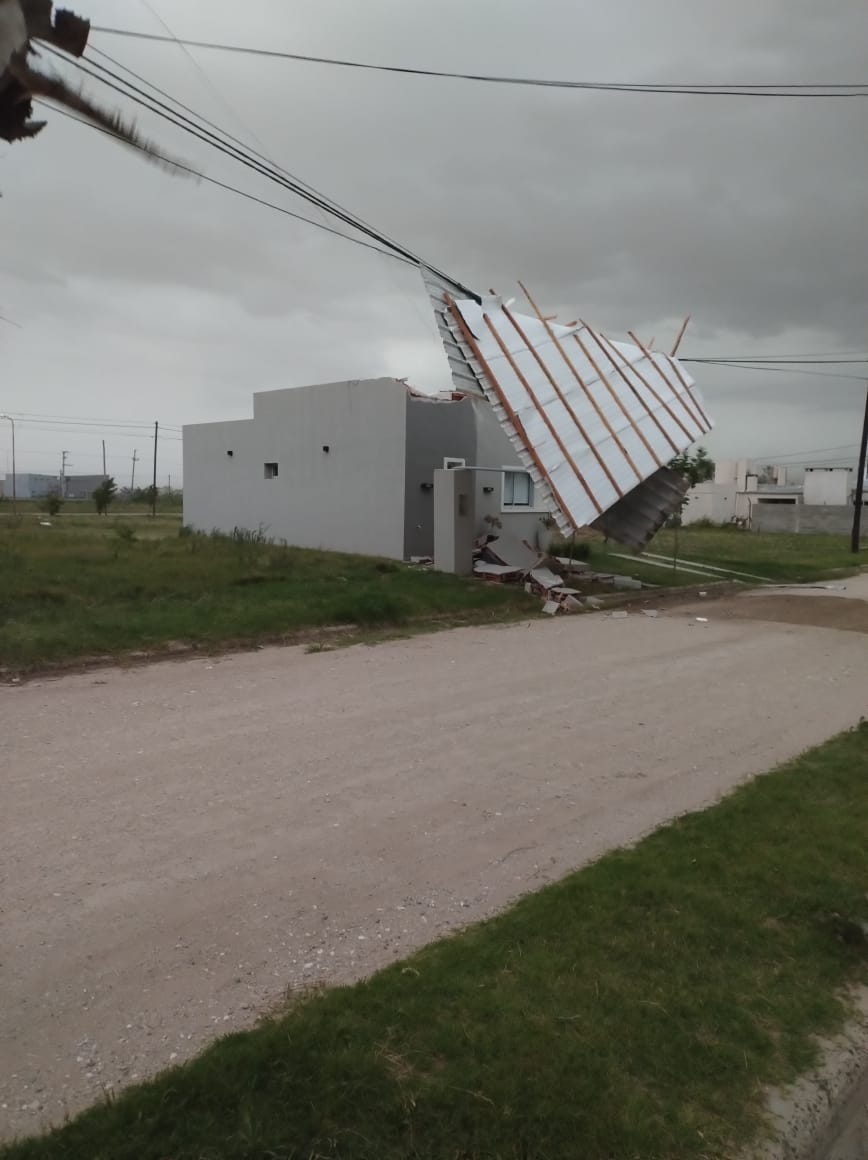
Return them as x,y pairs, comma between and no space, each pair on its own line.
828,485
710,501
350,498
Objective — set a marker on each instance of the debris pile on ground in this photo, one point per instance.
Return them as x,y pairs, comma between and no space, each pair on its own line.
503,559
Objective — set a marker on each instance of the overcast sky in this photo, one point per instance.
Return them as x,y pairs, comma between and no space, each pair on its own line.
141,296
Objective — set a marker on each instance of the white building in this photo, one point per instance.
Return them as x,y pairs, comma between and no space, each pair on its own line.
829,485
31,485
349,466
823,502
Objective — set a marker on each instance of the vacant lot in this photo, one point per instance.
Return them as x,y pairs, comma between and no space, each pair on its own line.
780,557
83,587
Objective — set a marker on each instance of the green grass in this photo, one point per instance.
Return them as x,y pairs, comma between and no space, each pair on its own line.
87,586
634,1010
777,556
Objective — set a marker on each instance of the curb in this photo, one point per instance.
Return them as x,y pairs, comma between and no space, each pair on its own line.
824,1115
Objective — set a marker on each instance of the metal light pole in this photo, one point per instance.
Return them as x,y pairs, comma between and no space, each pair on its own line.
14,477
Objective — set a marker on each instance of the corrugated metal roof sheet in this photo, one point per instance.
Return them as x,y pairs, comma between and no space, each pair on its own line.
593,421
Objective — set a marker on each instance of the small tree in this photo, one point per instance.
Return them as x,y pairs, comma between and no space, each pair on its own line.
52,504
696,468
104,494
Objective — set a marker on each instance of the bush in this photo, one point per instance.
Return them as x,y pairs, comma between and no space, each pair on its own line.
52,504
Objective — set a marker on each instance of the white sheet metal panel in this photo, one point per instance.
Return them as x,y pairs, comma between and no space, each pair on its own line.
588,418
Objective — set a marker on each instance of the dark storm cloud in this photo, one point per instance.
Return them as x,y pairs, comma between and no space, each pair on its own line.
137,290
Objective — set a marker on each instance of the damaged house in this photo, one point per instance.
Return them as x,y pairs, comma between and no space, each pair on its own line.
547,424
351,466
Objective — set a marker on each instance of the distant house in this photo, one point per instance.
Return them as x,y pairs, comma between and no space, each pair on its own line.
349,466
769,501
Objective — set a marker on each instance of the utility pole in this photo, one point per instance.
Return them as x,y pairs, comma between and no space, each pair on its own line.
133,476
104,472
64,457
860,481
14,478
154,489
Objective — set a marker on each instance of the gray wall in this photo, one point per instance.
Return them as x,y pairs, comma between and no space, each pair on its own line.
454,520
350,498
802,517
29,485
494,450
82,486
435,430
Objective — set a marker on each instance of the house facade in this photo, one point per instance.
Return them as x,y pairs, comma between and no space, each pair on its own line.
349,466
771,502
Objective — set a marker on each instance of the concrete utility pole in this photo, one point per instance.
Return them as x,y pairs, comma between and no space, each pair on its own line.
860,481
14,477
64,457
154,490
104,472
133,476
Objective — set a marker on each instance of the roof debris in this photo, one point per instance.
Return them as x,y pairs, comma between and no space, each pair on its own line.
593,421
25,21
538,574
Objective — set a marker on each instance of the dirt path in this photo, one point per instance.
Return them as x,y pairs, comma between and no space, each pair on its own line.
183,842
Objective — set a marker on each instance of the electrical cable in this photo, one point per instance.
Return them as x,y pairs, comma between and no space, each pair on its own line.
146,101
240,192
780,89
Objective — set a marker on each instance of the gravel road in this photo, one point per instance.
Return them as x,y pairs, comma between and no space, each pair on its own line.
185,841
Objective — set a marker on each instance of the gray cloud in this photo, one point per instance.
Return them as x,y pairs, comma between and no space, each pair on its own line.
143,295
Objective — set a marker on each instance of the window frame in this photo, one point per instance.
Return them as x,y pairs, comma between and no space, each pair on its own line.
512,506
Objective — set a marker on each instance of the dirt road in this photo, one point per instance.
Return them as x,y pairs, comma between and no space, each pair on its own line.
182,842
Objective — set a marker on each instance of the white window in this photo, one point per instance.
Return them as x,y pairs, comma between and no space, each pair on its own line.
517,489
270,470
449,463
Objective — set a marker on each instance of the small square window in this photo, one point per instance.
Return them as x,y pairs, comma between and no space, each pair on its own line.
271,471
450,463
517,489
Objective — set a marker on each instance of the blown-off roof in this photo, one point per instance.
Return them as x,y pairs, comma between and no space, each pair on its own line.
590,419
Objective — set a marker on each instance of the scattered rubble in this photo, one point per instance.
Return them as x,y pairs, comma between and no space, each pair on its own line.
503,559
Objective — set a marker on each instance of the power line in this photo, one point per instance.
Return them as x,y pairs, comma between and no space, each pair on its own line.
228,136
782,89
787,360
240,192
179,120
763,367
86,419
810,451
70,424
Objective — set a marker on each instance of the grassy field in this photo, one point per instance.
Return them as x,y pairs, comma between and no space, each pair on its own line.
89,586
637,1009
779,556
